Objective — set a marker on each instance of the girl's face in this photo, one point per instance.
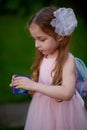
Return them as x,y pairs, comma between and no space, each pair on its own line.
46,44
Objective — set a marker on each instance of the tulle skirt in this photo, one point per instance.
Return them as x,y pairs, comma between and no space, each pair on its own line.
46,113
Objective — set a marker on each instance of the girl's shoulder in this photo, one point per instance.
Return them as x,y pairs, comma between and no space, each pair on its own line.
70,59
69,65
70,55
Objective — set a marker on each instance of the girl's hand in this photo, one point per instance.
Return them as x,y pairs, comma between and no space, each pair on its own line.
31,92
23,82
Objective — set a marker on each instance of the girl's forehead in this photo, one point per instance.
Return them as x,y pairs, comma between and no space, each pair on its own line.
33,25
36,31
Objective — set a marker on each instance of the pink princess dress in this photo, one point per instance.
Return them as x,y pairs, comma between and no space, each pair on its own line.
46,113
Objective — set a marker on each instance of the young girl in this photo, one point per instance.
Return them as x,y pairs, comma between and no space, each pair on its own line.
56,104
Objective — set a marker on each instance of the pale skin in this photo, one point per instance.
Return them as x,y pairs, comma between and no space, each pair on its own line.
47,45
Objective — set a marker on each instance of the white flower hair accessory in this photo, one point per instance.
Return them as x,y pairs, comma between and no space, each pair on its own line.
64,21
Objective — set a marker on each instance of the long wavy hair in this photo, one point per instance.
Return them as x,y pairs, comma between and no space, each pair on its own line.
43,19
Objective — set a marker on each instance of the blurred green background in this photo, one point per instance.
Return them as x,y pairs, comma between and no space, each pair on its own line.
17,47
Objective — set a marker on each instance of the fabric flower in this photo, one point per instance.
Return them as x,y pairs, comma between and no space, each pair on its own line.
64,21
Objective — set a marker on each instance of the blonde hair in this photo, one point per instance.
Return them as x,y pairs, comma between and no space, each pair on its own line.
43,18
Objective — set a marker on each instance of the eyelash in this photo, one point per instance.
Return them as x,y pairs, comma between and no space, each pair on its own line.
42,40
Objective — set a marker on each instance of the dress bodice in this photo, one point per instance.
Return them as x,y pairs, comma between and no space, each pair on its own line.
46,67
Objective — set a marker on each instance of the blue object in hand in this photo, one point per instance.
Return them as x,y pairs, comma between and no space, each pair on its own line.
19,90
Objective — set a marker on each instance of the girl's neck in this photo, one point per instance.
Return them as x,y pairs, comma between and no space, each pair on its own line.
52,55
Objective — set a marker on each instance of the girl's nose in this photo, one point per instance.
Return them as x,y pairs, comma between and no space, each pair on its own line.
37,45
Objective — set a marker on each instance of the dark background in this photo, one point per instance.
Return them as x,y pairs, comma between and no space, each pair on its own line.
17,47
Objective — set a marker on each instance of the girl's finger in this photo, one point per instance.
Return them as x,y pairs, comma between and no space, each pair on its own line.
10,85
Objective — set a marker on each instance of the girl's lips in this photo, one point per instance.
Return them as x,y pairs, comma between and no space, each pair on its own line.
40,50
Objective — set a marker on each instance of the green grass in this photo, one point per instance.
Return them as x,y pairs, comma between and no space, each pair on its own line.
17,52
79,41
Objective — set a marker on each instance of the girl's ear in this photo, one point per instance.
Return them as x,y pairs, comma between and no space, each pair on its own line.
60,38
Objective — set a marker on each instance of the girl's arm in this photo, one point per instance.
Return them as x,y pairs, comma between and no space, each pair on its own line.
67,89
62,92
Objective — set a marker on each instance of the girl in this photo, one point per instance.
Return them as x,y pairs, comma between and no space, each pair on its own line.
56,104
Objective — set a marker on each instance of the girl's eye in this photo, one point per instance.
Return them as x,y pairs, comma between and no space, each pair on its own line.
42,40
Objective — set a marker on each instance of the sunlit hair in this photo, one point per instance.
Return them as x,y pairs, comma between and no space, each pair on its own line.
42,19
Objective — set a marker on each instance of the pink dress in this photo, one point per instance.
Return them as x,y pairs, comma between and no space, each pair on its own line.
46,113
